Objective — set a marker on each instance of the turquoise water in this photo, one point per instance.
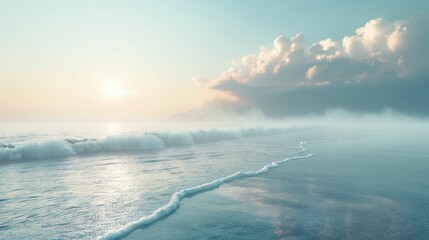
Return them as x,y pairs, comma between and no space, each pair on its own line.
363,182
46,194
371,187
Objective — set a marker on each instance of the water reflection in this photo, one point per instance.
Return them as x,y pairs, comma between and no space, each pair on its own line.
113,128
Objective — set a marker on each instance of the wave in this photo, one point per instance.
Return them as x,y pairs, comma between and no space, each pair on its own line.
37,150
130,142
177,197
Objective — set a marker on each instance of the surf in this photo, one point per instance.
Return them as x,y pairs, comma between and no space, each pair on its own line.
177,197
52,148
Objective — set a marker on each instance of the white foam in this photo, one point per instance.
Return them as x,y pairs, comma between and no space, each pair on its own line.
132,143
175,199
173,139
38,150
129,142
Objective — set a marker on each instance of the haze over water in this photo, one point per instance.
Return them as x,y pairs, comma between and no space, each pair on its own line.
214,119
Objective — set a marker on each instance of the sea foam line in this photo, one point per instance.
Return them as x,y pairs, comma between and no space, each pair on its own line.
52,148
177,197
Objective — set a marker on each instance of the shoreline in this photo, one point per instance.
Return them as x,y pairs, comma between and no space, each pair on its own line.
175,200
332,195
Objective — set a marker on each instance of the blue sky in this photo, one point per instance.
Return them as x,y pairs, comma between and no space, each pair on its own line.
184,32
59,44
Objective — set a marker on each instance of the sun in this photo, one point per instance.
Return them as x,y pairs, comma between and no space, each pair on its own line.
114,90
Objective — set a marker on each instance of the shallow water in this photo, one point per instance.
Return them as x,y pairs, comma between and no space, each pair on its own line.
360,182
373,187
88,195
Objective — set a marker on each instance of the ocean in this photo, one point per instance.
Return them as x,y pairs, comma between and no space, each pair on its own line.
214,181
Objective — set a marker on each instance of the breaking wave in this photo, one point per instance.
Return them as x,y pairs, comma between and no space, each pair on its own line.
131,142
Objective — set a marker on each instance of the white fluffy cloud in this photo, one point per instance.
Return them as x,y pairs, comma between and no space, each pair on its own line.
380,46
384,64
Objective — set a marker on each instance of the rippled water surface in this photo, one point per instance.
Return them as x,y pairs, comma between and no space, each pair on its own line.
125,173
88,195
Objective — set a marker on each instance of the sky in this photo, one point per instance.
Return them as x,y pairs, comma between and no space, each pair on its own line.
149,60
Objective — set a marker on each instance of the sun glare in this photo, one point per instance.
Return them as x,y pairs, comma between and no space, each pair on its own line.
113,128
114,90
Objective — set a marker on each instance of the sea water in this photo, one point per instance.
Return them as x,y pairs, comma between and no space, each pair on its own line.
370,184
69,181
87,181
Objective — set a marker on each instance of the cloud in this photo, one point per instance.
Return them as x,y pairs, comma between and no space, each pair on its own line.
383,65
200,81
222,110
